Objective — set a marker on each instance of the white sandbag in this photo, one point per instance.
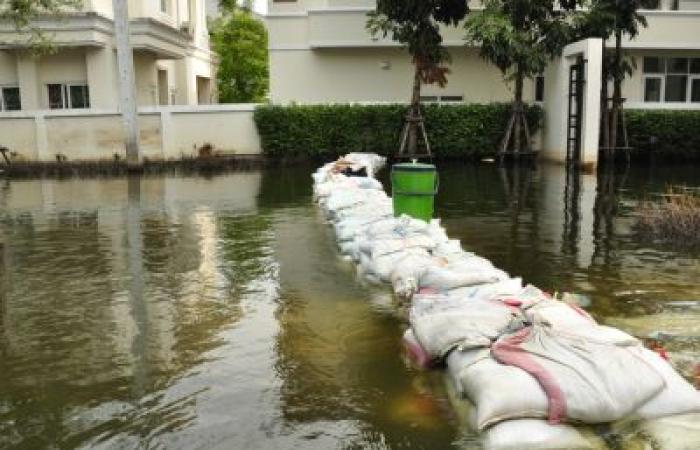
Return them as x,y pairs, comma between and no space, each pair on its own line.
441,323
346,198
397,228
370,161
406,273
446,278
596,382
674,432
677,397
534,434
382,266
507,287
381,247
379,206
350,227
436,232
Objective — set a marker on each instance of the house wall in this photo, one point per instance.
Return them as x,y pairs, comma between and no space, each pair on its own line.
8,68
165,132
378,75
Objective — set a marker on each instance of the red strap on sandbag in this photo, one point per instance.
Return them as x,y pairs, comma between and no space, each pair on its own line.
509,352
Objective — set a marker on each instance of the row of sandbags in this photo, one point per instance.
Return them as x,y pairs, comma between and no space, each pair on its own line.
511,351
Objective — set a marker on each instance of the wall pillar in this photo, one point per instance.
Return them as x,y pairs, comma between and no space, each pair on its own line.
166,134
102,77
557,102
42,139
27,75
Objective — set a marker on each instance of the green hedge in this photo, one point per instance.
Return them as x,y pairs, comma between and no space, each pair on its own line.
664,134
323,131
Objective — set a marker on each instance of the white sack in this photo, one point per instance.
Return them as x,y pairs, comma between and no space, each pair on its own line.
533,434
677,397
599,382
441,323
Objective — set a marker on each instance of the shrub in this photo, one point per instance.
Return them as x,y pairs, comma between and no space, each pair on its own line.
664,134
327,131
674,220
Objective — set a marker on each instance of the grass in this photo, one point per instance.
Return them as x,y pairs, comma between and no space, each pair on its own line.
675,219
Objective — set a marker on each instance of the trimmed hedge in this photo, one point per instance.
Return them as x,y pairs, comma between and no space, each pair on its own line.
664,134
327,131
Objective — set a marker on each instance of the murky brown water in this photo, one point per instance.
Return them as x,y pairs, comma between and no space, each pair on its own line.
185,313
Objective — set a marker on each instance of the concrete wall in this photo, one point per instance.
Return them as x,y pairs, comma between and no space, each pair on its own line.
166,132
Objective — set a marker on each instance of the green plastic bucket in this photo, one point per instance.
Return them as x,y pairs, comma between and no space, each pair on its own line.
414,186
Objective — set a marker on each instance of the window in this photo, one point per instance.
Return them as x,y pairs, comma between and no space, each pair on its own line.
441,98
672,80
10,99
539,88
65,96
652,89
165,6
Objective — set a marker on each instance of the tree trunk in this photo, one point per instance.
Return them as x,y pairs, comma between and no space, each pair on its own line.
127,84
413,114
518,110
617,94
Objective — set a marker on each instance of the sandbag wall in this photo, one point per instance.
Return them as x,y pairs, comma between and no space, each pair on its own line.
524,360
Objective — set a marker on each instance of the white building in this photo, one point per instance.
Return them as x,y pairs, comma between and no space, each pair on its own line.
173,63
335,59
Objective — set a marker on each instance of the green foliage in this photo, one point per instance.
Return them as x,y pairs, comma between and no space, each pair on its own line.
664,134
519,35
327,131
241,43
416,25
21,12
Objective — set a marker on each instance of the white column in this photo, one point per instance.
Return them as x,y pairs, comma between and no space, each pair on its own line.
102,77
127,84
590,133
28,77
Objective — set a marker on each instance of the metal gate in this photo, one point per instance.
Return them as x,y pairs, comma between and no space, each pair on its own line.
577,83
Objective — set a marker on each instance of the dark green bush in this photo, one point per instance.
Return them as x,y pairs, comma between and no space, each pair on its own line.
664,134
327,131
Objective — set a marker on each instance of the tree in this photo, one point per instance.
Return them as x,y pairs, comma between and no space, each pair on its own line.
416,25
612,19
519,37
21,12
241,42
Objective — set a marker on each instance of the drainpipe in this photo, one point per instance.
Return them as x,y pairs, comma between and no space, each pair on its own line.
127,84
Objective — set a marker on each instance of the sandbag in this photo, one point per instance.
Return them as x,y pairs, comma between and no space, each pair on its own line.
584,380
677,397
680,432
530,434
441,323
504,288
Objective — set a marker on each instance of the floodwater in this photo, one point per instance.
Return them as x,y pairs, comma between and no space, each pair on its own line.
214,312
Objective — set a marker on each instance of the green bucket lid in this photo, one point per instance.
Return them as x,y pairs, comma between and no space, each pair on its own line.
413,167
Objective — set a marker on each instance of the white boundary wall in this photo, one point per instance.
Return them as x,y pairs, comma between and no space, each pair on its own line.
167,132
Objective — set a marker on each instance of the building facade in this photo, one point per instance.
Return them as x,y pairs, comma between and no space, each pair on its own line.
336,60
172,61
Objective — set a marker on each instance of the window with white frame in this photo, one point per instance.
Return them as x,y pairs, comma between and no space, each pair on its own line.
441,98
10,99
165,6
68,95
671,80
